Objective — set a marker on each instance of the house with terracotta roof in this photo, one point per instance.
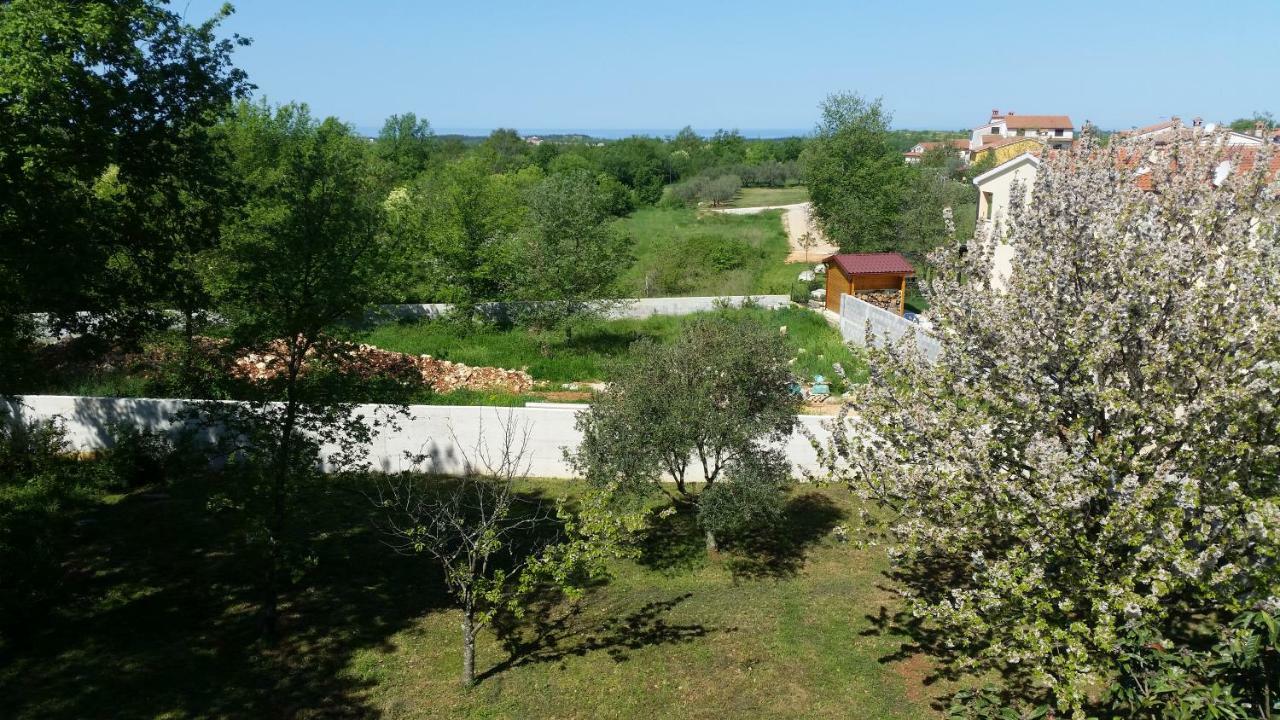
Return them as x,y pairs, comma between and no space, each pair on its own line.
996,186
1173,130
918,150
878,278
1057,131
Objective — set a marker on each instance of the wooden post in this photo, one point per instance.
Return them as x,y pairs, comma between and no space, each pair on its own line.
902,298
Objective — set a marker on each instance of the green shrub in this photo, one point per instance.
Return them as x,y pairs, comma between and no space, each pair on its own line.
137,457
41,489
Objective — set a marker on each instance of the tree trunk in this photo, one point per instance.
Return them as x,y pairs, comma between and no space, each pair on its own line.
468,646
279,487
712,548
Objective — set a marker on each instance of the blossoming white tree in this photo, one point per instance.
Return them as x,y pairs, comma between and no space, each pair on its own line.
1094,457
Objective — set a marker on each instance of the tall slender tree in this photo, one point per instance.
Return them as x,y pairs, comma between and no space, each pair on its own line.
307,252
856,179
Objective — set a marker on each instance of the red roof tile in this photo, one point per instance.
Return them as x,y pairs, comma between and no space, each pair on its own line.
1052,122
872,263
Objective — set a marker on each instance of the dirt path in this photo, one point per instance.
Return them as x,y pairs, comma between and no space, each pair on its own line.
797,221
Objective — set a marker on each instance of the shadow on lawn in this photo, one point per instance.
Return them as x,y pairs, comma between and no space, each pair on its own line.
158,615
779,550
551,633
930,580
675,543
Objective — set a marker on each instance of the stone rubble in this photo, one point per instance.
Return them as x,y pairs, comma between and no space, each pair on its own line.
366,361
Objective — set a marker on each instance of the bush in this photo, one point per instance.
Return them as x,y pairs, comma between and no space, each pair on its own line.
41,487
137,457
718,251
28,449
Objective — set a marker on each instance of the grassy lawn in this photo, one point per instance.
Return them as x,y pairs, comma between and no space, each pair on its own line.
593,344
760,197
155,618
682,251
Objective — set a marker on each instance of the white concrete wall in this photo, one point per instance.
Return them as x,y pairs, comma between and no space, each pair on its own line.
855,314
630,308
448,435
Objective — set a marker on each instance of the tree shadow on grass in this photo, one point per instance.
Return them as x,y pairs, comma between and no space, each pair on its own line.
551,632
779,550
158,614
931,579
674,543
609,342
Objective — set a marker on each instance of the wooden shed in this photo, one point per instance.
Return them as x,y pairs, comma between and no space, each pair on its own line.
870,275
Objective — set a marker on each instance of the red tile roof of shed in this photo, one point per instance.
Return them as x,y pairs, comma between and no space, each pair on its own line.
872,263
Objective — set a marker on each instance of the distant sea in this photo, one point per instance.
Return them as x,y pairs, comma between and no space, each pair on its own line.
610,133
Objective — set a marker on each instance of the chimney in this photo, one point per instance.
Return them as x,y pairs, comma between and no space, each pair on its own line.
1197,122
1259,128
995,113
1177,121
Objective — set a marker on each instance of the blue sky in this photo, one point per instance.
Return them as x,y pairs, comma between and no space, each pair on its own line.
663,64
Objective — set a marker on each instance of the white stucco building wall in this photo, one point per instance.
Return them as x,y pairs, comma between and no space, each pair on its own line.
995,191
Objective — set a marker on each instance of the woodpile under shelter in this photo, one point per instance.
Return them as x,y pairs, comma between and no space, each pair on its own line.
878,278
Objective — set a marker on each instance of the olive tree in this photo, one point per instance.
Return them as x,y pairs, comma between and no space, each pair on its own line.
718,395
1091,467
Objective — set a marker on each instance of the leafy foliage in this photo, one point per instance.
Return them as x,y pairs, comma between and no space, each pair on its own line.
856,178
109,180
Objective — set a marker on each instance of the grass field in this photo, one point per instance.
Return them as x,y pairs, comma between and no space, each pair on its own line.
682,251
155,618
594,343
760,197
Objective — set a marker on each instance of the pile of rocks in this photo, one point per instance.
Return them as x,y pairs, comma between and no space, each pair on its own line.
367,361
445,376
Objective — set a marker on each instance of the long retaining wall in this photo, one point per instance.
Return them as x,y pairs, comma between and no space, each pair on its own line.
627,308
450,436
856,315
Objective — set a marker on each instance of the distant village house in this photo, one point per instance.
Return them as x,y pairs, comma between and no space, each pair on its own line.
917,151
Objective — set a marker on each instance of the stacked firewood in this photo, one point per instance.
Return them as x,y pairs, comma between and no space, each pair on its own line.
885,299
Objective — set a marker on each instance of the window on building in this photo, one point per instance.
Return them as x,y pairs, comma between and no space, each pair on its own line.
1058,132
986,210
995,131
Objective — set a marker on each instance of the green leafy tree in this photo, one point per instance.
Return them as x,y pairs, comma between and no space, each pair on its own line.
856,178
718,395
1249,125
568,254
921,227
458,220
642,164
306,253
728,146
108,178
407,144
504,151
